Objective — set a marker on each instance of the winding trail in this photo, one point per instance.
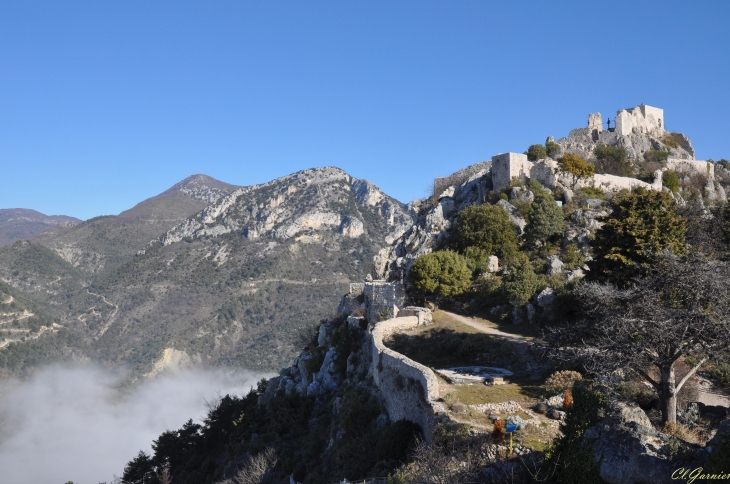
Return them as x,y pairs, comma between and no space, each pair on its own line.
485,328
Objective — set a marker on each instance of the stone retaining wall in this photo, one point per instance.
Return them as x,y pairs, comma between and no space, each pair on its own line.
409,389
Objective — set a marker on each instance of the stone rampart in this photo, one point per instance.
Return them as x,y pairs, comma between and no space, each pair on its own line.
455,179
409,389
692,167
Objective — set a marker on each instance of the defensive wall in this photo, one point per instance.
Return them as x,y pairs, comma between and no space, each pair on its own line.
410,390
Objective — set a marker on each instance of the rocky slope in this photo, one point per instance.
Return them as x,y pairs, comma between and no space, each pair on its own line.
226,283
23,224
109,240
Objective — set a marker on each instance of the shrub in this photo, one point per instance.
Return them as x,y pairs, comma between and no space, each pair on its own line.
568,398
573,257
670,141
561,381
536,152
486,227
552,149
576,167
659,156
499,431
519,280
443,274
612,160
671,180
676,429
567,459
721,373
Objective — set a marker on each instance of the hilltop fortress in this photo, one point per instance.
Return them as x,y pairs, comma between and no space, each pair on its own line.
638,130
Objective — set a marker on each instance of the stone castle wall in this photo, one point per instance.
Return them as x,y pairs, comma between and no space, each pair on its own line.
455,179
409,389
692,167
642,119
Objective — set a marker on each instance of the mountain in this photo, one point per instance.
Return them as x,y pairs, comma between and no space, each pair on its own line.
22,224
104,241
207,272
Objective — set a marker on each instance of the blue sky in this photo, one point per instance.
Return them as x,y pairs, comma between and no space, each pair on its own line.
104,104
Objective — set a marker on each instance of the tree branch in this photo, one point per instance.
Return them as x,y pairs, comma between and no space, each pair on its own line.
645,375
689,374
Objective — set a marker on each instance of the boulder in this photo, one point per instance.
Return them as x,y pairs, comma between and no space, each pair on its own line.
518,421
576,274
492,263
555,414
448,193
546,298
555,265
628,448
514,215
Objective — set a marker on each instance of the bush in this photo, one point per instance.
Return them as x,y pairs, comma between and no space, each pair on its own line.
670,180
576,167
443,274
552,149
486,227
567,459
721,373
657,156
572,257
536,152
519,280
612,160
561,381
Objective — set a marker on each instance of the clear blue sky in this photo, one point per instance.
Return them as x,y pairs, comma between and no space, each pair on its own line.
106,103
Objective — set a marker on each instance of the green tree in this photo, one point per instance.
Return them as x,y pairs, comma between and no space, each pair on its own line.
536,152
545,218
140,470
612,160
519,281
443,274
670,180
643,224
576,167
552,148
486,227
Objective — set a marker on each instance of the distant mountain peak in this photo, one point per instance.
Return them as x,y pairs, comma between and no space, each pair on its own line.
200,187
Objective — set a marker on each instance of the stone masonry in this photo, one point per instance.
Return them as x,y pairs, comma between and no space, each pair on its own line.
505,166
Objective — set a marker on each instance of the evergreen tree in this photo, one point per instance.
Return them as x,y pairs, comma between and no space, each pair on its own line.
545,218
519,281
443,274
642,225
536,152
486,227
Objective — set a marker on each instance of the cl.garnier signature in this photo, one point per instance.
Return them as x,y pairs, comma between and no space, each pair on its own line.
690,475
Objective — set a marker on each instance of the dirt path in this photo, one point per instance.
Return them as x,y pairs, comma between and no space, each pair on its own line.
709,395
485,328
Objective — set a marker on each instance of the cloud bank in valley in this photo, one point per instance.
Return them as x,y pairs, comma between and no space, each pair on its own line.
72,423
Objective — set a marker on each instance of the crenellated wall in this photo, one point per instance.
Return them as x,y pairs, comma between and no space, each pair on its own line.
409,389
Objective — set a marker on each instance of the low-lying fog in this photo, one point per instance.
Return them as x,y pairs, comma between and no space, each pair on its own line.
73,424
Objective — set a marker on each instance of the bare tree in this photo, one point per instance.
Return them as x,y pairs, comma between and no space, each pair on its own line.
681,309
255,469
